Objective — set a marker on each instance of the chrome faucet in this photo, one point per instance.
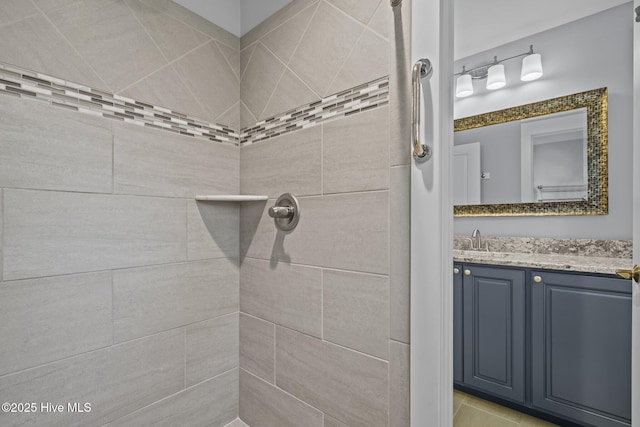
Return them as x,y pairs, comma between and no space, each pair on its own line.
476,243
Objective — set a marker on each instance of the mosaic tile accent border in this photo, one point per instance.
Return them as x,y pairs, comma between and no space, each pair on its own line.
23,83
15,81
352,101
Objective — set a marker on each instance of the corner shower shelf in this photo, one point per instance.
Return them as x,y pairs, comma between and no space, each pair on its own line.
232,198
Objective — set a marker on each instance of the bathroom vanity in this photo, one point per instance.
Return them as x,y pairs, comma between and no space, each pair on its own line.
553,340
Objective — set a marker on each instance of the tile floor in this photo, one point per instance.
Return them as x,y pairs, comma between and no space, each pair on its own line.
470,411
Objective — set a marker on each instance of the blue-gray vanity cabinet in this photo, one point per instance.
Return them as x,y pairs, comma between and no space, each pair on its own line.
494,330
457,324
581,347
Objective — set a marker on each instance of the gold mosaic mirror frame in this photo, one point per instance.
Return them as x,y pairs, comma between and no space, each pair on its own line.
595,102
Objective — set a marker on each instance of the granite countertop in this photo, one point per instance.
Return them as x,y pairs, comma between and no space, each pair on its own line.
585,255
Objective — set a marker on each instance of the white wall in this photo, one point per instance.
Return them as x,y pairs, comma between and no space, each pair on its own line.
587,54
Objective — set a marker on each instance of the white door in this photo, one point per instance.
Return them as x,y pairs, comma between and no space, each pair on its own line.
432,222
466,174
635,349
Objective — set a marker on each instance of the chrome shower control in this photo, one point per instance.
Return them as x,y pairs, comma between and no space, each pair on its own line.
286,212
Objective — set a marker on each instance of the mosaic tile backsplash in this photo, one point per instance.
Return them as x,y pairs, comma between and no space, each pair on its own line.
19,82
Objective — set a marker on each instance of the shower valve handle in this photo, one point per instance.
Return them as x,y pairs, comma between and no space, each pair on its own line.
281,211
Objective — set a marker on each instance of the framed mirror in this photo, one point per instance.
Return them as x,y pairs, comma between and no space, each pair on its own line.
546,158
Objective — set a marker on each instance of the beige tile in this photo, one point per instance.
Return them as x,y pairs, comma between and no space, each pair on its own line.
493,408
400,252
51,4
356,153
211,403
260,79
400,84
290,93
399,396
173,37
52,149
458,399
247,118
287,164
263,405
184,15
232,56
15,10
116,381
155,163
35,44
164,88
285,294
245,57
381,20
212,347
50,233
209,77
332,422
231,117
469,416
110,39
257,347
44,320
362,10
284,39
212,229
237,423
368,61
154,299
346,385
528,421
275,20
355,311
331,36
319,239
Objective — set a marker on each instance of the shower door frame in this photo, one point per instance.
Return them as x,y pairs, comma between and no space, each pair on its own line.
431,365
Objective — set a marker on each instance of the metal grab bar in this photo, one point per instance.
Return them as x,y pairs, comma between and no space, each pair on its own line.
421,70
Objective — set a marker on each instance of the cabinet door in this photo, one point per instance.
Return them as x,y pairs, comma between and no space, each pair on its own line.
494,330
581,347
457,324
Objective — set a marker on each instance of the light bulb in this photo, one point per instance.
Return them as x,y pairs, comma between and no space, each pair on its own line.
464,86
531,67
495,77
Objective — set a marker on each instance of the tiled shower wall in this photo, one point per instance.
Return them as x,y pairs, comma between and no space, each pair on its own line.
117,288
150,50
324,323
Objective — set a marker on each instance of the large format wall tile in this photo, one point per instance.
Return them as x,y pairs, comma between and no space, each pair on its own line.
49,233
263,405
173,37
156,164
48,319
400,253
296,156
15,10
346,231
257,347
284,39
289,295
211,403
291,92
110,39
259,80
276,19
116,381
344,384
330,38
50,149
355,311
356,153
213,229
362,10
332,422
35,44
50,4
399,397
210,78
212,348
153,299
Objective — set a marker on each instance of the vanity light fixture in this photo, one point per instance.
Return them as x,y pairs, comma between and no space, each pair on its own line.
495,75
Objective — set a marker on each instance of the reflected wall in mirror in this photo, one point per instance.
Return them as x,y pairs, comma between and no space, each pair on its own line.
543,158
